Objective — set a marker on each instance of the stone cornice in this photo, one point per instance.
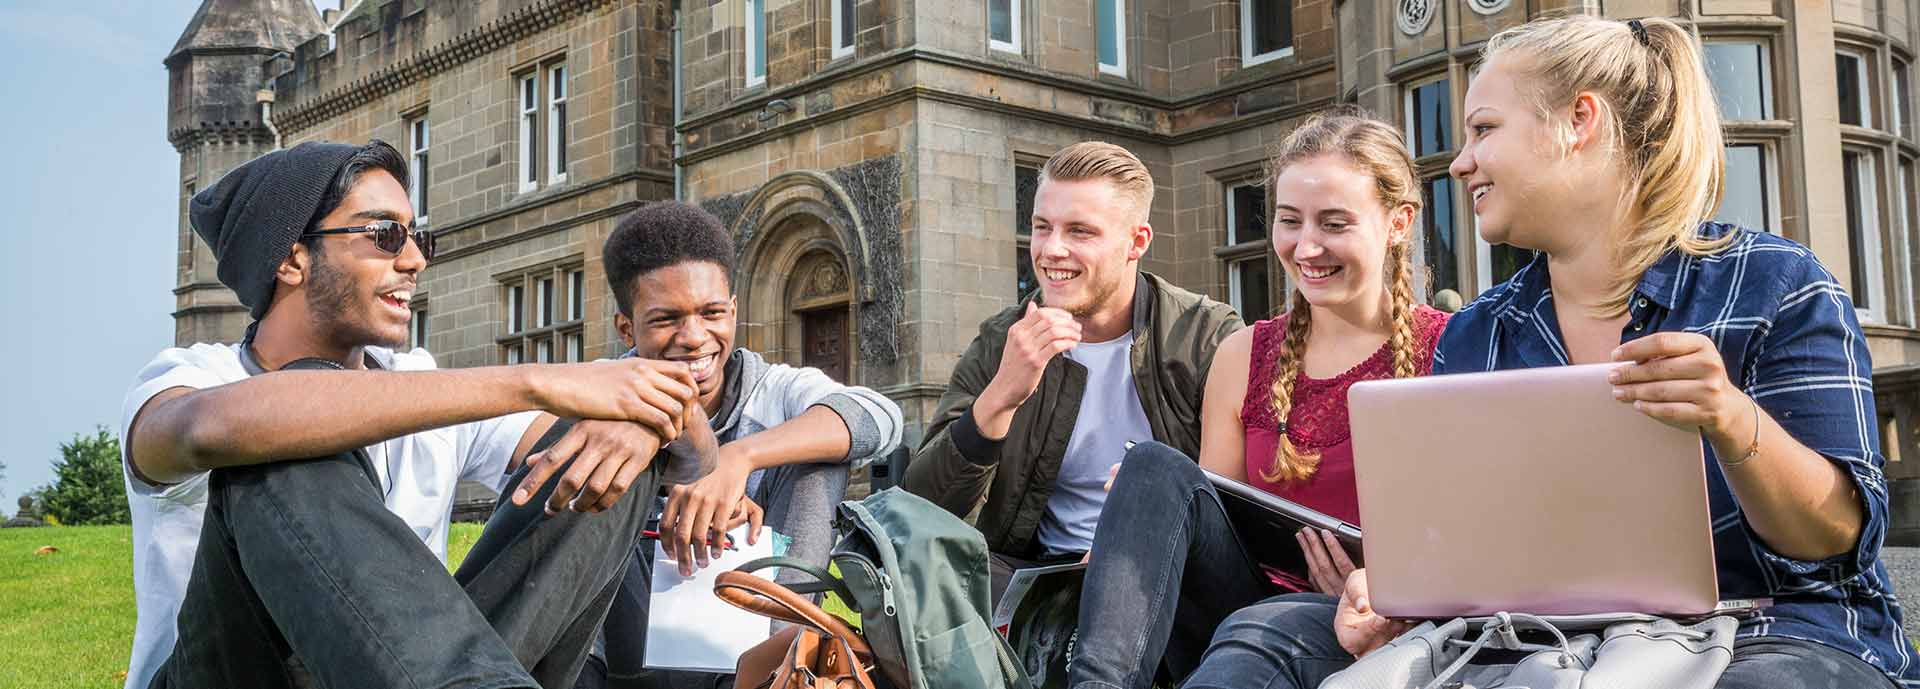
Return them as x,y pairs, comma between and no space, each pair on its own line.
219,132
499,33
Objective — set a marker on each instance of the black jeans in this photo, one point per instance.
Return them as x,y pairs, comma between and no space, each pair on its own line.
1167,568
1288,642
302,561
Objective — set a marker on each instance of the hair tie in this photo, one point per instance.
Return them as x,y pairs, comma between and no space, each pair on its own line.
1639,31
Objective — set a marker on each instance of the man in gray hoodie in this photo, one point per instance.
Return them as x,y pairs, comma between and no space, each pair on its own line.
789,436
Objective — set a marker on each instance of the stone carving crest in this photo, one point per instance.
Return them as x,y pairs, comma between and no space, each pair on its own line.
826,279
1488,6
1414,16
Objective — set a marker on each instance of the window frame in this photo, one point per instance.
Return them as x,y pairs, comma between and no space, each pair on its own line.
1769,107
1023,228
1119,28
1769,179
1408,98
527,91
1013,43
1906,194
1234,253
542,337
1902,96
1863,78
1247,57
840,11
1872,253
557,131
419,143
418,326
756,40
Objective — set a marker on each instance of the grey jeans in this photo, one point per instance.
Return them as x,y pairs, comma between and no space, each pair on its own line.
301,569
1287,642
799,500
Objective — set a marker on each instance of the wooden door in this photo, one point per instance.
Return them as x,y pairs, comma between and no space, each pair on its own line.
826,345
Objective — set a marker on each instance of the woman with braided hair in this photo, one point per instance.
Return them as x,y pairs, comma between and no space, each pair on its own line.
1166,566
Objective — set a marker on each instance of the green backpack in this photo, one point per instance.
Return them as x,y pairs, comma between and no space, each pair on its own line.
917,577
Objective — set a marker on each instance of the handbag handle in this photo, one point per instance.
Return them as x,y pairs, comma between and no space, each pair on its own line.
772,599
823,581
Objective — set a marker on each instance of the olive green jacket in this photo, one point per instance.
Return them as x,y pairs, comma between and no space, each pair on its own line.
1175,335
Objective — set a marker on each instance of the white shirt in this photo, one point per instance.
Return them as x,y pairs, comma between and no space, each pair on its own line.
420,469
1110,415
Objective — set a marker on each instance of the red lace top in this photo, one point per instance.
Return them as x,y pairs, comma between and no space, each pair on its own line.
1318,420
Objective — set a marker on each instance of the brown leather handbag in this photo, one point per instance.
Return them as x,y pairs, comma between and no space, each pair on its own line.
820,652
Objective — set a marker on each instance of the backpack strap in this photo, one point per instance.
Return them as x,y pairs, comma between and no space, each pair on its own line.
823,581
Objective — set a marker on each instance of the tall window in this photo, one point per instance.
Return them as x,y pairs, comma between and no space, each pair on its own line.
844,27
756,42
1003,25
1867,281
417,168
544,322
417,333
1110,22
1026,182
1440,235
1430,131
1429,120
557,124
1249,283
1851,78
1742,79
1903,99
1906,243
576,294
529,131
1747,196
1266,30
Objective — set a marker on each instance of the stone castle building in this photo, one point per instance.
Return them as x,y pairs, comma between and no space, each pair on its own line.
875,159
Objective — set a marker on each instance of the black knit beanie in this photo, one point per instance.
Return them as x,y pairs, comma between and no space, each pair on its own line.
253,216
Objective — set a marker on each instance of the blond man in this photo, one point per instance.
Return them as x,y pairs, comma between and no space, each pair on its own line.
1054,389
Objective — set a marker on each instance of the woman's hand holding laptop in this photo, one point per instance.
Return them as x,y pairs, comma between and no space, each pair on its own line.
1328,566
1680,379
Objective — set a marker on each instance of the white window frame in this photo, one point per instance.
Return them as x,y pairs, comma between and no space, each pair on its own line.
1866,87
1903,243
575,344
527,91
755,20
419,137
1247,56
1876,287
839,26
1013,28
543,350
1406,108
544,292
557,93
576,295
417,329
1236,261
1119,38
1769,176
516,311
1768,108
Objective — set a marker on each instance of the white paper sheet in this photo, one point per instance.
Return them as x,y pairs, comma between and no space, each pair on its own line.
689,628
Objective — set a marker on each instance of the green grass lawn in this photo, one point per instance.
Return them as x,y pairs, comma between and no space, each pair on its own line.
66,618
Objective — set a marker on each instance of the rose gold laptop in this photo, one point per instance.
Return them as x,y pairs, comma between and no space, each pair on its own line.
1527,491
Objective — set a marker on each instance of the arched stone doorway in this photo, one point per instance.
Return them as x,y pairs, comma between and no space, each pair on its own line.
798,304
821,312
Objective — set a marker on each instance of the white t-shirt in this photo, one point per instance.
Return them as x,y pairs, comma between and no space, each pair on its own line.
421,469
1110,415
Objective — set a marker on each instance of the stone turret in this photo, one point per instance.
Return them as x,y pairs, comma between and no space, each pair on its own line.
228,54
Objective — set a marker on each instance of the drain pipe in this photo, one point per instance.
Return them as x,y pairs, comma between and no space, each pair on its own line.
679,174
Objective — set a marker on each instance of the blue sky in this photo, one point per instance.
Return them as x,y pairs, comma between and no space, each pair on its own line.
87,247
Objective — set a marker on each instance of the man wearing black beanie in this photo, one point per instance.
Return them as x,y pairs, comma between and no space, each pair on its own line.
287,518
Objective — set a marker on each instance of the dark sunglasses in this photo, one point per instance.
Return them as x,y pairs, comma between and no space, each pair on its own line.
388,235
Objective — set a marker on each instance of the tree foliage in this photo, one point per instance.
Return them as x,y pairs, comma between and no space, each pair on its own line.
87,485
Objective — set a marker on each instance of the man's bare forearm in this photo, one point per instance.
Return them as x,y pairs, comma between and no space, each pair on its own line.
817,436
298,414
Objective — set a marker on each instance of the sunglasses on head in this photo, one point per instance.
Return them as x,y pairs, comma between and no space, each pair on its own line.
388,235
